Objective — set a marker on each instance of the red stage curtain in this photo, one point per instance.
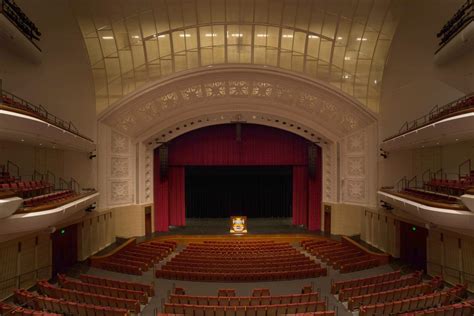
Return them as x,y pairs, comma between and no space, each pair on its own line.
315,198
160,197
300,194
218,145
176,196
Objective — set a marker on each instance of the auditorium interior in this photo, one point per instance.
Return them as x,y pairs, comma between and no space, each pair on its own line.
237,157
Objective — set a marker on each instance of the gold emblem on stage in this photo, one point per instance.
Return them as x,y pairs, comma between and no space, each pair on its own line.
238,224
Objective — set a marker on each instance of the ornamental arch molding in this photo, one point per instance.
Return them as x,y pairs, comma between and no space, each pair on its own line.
218,95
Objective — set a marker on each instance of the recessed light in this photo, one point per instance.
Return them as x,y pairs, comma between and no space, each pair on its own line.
375,81
211,34
346,76
313,36
237,35
262,35
107,37
41,144
184,35
22,140
135,36
457,139
339,38
363,39
287,35
347,58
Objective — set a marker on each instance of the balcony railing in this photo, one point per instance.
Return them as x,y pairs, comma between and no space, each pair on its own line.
10,100
437,113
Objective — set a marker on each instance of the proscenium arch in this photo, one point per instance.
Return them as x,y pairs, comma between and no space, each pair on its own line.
232,93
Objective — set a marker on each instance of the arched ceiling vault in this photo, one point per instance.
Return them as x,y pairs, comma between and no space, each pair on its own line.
344,43
229,93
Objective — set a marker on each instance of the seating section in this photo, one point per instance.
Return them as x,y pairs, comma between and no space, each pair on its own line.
458,309
46,304
27,189
149,289
342,256
388,296
135,258
58,196
339,285
409,280
74,284
242,312
246,260
245,305
416,303
10,309
87,297
243,300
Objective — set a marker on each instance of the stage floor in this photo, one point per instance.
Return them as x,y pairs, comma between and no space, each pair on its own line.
221,226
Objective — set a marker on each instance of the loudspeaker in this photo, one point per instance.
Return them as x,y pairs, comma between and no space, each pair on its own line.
163,155
312,160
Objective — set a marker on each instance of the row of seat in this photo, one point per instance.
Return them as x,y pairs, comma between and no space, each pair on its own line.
458,309
452,187
263,310
408,280
336,286
26,188
243,300
88,298
232,312
195,259
14,310
342,256
232,269
149,289
241,276
80,309
135,259
240,263
78,285
388,296
221,261
406,305
49,198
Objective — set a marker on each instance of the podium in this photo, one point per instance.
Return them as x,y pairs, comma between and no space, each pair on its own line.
238,225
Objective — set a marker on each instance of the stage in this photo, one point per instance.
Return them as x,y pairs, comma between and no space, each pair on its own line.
221,226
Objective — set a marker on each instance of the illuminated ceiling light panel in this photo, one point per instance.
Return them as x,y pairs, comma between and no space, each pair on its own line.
135,36
184,35
347,58
313,36
107,37
211,34
339,38
346,76
237,35
262,35
287,35
363,39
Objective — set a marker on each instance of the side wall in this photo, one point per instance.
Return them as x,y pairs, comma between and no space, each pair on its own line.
449,254
25,259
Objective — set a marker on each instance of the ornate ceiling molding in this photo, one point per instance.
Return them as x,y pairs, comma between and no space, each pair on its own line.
212,90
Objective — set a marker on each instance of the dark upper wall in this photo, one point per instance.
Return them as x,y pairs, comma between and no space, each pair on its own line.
63,81
412,83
